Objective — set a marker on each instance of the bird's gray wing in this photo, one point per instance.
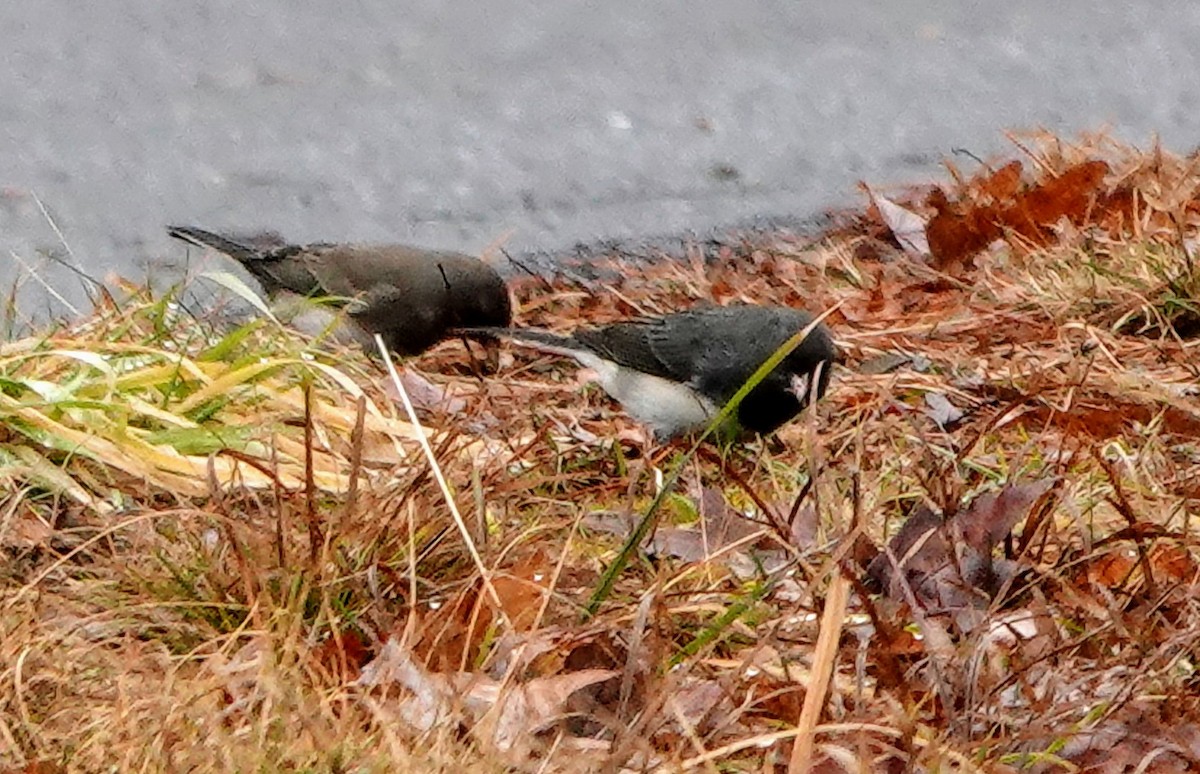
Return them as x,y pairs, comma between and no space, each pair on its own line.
341,270
277,265
347,270
285,268
631,344
409,325
719,348
389,306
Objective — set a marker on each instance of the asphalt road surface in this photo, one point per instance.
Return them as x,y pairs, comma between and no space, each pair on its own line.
457,124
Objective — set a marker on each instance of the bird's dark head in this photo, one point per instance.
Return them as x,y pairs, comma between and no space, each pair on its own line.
810,365
475,293
479,299
802,377
492,306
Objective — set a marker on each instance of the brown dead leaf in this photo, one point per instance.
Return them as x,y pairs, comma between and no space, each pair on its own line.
1112,569
1102,414
990,517
1138,737
28,530
781,700
521,598
529,708
1116,210
36,767
450,633
949,563
551,651
504,714
939,408
959,230
717,527
456,631
424,394
433,696
696,703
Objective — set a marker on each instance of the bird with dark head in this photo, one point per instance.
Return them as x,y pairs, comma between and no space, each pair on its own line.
674,373
412,297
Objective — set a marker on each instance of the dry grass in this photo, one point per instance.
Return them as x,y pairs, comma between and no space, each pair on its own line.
208,535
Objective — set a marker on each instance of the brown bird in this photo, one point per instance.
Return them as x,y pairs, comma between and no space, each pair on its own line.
410,296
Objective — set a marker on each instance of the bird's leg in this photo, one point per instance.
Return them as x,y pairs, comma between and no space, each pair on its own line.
661,447
491,356
774,444
476,369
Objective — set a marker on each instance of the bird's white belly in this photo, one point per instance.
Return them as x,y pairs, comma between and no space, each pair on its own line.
668,407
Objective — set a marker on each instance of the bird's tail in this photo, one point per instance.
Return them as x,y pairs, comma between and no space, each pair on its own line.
536,338
197,236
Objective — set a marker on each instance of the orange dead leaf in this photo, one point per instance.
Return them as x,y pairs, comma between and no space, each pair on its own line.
1116,210
343,654
721,290
956,231
1112,569
1001,185
959,230
1172,562
521,598
1070,196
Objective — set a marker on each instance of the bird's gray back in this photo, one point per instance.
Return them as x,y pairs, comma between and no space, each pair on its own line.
717,342
347,270
719,348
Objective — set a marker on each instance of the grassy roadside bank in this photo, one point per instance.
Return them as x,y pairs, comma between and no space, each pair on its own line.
227,550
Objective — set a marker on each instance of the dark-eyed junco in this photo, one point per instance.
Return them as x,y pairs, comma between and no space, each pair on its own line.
410,296
674,373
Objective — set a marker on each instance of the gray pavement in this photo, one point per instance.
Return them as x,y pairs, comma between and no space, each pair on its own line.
455,124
